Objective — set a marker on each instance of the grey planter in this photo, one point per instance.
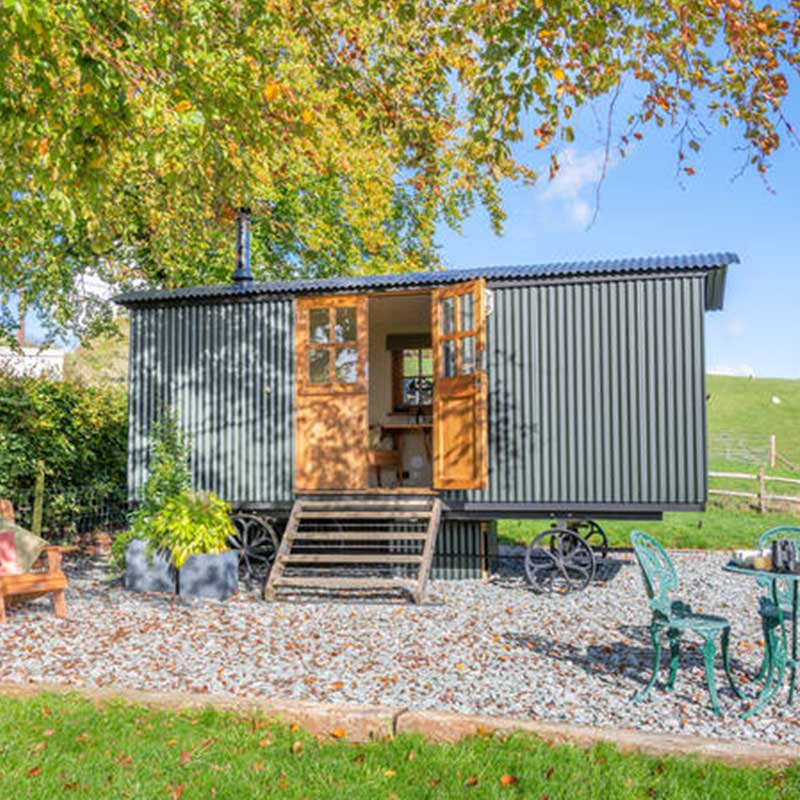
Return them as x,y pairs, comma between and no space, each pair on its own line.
148,573
210,575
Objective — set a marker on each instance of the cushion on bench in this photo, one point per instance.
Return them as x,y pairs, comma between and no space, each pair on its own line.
9,563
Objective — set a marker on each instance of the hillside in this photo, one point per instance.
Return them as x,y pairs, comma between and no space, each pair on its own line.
745,406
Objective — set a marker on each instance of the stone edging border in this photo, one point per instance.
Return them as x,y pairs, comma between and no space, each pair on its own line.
363,722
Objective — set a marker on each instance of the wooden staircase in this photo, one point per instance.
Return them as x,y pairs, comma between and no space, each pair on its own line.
358,543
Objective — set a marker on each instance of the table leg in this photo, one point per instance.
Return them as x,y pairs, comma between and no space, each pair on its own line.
777,647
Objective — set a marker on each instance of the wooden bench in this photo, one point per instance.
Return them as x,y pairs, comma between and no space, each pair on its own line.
46,579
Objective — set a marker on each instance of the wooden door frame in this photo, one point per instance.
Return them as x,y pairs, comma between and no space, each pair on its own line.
461,385
308,396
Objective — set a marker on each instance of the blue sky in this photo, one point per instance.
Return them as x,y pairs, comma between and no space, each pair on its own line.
646,210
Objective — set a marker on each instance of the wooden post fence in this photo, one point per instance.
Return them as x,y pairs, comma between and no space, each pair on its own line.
761,496
38,502
773,451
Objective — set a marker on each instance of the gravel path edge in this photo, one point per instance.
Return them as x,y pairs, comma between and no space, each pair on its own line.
359,723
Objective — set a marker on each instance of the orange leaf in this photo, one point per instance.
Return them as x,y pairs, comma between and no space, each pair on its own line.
271,91
34,771
185,757
178,791
184,105
336,685
471,781
338,733
297,746
44,146
688,170
508,780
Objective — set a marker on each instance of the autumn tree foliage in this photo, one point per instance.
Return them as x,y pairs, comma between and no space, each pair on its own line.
131,130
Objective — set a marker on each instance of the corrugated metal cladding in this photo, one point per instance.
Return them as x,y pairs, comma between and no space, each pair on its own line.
596,393
228,370
464,549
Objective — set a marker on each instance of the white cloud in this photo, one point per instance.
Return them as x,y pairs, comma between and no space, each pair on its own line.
738,370
573,187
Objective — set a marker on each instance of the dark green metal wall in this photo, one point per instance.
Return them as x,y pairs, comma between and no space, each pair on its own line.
228,370
596,393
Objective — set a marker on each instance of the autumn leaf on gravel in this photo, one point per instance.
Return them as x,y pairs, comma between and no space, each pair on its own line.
338,733
508,780
336,685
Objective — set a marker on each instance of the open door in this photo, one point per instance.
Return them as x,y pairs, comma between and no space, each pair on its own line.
459,387
331,393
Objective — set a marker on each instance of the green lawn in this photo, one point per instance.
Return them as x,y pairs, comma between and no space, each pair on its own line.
744,405
56,747
731,525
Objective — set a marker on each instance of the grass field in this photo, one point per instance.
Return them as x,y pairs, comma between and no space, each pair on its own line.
744,405
54,747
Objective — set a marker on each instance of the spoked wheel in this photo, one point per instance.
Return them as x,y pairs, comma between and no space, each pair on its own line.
257,543
593,535
559,561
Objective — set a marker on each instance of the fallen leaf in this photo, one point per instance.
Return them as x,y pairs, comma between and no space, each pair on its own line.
549,773
297,746
336,685
471,781
338,733
48,732
389,773
172,742
185,757
34,771
264,742
508,780
178,791
434,781
411,755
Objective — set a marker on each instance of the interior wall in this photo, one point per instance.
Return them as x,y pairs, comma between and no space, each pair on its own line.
404,314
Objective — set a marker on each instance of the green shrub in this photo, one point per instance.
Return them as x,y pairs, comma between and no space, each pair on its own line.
191,523
78,434
169,473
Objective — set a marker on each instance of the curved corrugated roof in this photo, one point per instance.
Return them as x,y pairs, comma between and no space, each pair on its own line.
524,272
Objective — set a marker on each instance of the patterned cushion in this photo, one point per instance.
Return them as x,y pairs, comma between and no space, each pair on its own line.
29,546
9,564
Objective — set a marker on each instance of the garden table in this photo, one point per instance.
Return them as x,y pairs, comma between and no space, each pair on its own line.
777,652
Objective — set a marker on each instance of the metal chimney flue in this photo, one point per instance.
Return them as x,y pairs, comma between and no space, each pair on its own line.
242,275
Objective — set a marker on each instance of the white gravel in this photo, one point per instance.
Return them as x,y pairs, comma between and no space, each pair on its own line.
491,647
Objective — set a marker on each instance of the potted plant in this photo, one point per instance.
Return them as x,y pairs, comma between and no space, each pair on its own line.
194,528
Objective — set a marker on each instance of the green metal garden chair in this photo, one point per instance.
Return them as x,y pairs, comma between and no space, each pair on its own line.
676,617
770,618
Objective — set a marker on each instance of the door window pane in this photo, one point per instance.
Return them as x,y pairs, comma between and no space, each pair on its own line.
346,364
319,323
468,355
449,358
467,303
318,361
448,312
346,324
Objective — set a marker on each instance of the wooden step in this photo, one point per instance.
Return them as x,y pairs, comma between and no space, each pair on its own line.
358,505
364,514
354,536
351,558
345,583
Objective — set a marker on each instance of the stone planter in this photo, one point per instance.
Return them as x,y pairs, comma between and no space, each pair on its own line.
148,573
210,575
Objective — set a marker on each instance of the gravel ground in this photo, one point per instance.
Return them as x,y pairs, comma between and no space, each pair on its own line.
491,647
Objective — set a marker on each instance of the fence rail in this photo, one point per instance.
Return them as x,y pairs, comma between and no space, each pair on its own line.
761,495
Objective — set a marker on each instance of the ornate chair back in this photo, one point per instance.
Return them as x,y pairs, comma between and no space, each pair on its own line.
660,578
779,533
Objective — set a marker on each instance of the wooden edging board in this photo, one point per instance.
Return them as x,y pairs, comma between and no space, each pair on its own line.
363,722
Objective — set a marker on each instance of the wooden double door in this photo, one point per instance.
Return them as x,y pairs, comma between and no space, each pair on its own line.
332,390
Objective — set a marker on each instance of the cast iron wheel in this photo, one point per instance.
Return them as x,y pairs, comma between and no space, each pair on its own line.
559,561
593,535
257,543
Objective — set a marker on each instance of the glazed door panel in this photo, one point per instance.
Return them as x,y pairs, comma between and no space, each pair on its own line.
460,437
331,424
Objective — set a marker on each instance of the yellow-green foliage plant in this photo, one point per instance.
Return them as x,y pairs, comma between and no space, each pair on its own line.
191,523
